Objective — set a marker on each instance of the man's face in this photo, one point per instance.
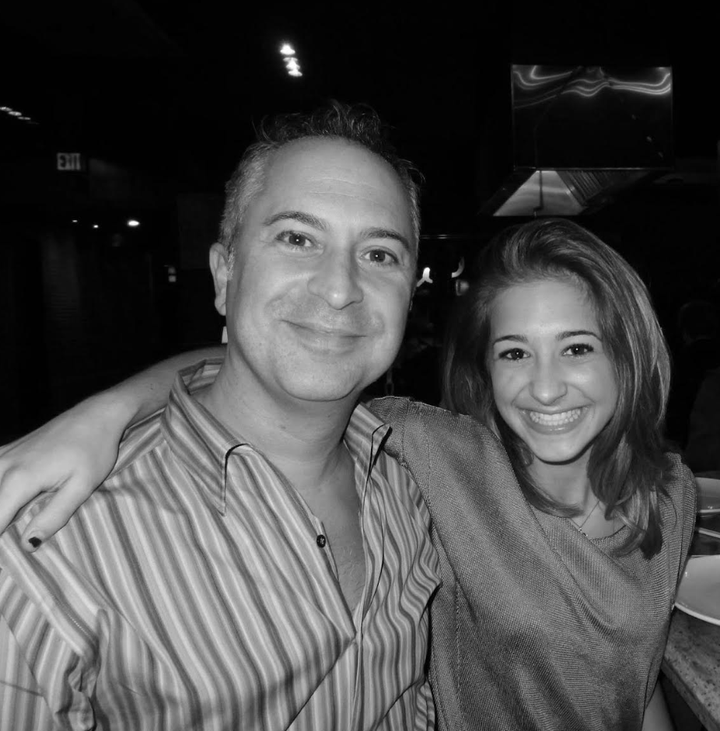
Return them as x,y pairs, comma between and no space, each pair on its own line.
323,274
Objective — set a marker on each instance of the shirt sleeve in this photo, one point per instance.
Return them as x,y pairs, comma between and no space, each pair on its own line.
40,675
22,705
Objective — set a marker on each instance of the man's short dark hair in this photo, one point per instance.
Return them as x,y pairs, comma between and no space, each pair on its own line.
358,124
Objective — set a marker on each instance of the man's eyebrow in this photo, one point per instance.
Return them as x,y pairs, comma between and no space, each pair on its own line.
307,218
387,233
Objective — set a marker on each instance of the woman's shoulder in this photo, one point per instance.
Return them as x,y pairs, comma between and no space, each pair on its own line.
403,413
418,431
445,452
679,475
680,484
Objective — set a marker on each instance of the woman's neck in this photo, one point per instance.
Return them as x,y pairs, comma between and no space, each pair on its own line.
566,483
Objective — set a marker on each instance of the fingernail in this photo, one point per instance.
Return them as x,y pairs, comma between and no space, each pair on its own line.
35,541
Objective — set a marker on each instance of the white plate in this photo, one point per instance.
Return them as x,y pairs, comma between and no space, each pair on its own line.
708,495
699,592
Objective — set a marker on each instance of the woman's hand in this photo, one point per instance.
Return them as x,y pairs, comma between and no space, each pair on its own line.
70,456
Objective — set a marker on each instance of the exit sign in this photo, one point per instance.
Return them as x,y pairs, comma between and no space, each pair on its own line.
70,161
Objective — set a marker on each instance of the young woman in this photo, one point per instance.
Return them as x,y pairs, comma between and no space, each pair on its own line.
561,523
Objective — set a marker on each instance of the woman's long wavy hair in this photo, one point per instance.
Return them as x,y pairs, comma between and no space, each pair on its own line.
628,466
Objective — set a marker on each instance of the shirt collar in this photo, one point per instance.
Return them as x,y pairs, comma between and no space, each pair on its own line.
196,438
364,437
202,444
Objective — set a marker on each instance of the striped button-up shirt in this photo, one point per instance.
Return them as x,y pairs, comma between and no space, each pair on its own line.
192,591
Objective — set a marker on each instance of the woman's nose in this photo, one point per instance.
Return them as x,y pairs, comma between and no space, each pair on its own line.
548,382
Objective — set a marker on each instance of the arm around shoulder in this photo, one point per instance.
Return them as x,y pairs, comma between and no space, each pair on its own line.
74,453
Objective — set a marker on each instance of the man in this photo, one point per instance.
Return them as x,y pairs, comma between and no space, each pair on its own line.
254,561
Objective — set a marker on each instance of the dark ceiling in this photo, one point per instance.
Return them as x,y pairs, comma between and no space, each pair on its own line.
176,86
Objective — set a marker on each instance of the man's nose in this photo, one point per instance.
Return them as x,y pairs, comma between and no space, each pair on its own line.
548,382
337,280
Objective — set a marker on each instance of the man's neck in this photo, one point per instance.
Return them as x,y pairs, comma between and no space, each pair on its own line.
303,439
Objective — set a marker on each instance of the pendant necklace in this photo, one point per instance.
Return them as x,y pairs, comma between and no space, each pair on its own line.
587,517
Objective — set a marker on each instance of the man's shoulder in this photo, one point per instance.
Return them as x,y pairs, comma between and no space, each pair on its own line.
142,445
139,441
153,432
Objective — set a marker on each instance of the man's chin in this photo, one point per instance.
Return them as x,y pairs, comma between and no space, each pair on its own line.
327,391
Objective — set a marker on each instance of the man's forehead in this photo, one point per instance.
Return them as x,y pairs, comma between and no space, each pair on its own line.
312,157
333,168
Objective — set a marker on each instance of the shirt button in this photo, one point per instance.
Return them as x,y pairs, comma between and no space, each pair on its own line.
321,541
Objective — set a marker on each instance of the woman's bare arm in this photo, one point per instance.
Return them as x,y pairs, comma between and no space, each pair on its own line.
72,454
657,717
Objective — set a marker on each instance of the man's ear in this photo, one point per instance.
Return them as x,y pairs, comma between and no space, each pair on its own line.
221,276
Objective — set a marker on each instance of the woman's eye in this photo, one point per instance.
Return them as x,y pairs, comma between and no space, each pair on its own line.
512,354
578,349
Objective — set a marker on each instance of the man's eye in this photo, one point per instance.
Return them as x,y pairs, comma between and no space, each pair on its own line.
294,238
578,349
512,354
382,256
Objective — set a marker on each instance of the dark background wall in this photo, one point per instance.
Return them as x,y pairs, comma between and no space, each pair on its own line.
160,99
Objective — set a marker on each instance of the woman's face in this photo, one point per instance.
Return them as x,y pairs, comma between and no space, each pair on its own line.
552,380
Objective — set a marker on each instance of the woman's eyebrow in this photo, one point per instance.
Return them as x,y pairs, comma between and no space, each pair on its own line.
575,333
514,338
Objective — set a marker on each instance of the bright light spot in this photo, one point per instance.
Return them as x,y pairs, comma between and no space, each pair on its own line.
95,226
74,220
461,286
460,269
133,223
425,277
292,64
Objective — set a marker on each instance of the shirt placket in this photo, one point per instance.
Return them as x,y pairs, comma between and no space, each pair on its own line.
302,525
